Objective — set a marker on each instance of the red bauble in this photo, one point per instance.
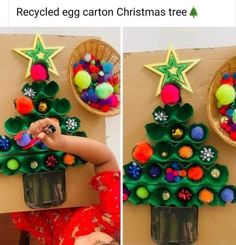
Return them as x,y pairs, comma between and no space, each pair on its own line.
142,152
24,105
195,173
170,94
105,108
39,72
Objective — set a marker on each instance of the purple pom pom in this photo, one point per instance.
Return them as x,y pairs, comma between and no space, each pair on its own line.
233,127
85,96
154,171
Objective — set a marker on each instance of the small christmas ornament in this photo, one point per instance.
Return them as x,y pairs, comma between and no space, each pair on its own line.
160,116
29,92
225,94
184,194
197,133
207,154
69,159
51,161
24,105
34,164
177,133
173,70
104,90
165,195
170,94
142,192
39,72
43,107
206,196
154,171
71,124
195,173
164,154
185,152
134,171
5,143
39,53
82,80
227,195
13,164
142,152
215,173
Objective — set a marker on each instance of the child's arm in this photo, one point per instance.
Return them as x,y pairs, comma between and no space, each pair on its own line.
88,149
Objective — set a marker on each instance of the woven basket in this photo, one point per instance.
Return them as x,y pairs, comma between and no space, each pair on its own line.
212,111
102,51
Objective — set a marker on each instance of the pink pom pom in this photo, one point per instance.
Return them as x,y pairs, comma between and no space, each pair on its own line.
170,94
114,101
39,72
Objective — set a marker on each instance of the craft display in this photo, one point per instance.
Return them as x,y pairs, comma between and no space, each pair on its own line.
221,102
20,152
94,73
176,169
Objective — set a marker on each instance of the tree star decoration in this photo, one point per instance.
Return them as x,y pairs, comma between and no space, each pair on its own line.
173,70
39,53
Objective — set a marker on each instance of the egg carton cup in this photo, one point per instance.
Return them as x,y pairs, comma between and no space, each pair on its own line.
212,110
160,132
42,88
155,195
70,129
175,113
102,51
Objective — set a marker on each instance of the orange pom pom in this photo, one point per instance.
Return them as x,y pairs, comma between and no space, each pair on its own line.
24,105
69,159
142,152
185,152
195,173
206,196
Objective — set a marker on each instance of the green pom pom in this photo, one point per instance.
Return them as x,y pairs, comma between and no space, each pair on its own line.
82,80
104,90
234,116
142,192
225,94
13,164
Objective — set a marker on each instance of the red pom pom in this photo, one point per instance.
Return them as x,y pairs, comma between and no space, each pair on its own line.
228,128
113,80
142,152
170,94
223,125
223,110
78,68
105,108
229,81
39,72
233,135
195,173
95,105
93,69
24,105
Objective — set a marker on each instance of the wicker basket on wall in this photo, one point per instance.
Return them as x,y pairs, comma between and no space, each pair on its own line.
102,51
213,113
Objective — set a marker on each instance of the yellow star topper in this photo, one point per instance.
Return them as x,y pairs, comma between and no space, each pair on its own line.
173,70
39,53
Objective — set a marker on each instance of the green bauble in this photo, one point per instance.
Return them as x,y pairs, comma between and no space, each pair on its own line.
13,164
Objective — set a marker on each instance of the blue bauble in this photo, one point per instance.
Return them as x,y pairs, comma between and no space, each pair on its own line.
107,67
134,171
197,133
5,143
92,97
227,195
24,140
154,171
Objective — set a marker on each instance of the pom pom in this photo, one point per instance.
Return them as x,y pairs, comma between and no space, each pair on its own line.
195,173
22,139
125,193
142,192
154,171
104,90
197,133
107,67
85,96
94,77
82,80
77,69
114,101
39,72
185,152
87,57
5,143
234,116
233,135
223,110
24,105
170,94
92,96
142,152
227,195
69,159
93,69
105,108
13,164
225,94
206,196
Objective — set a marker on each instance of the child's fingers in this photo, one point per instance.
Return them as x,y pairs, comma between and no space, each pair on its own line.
44,138
37,126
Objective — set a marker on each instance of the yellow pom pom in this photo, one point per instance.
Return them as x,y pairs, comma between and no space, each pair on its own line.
225,94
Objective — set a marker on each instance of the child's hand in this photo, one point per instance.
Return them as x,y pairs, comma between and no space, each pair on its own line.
53,141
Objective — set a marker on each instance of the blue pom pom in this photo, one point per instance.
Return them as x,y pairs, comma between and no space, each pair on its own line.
92,97
229,112
82,62
226,76
107,67
197,133
234,75
177,179
85,96
76,65
24,140
227,195
175,166
154,171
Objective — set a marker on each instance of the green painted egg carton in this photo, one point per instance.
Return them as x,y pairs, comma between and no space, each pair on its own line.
216,175
166,195
42,88
173,114
159,132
